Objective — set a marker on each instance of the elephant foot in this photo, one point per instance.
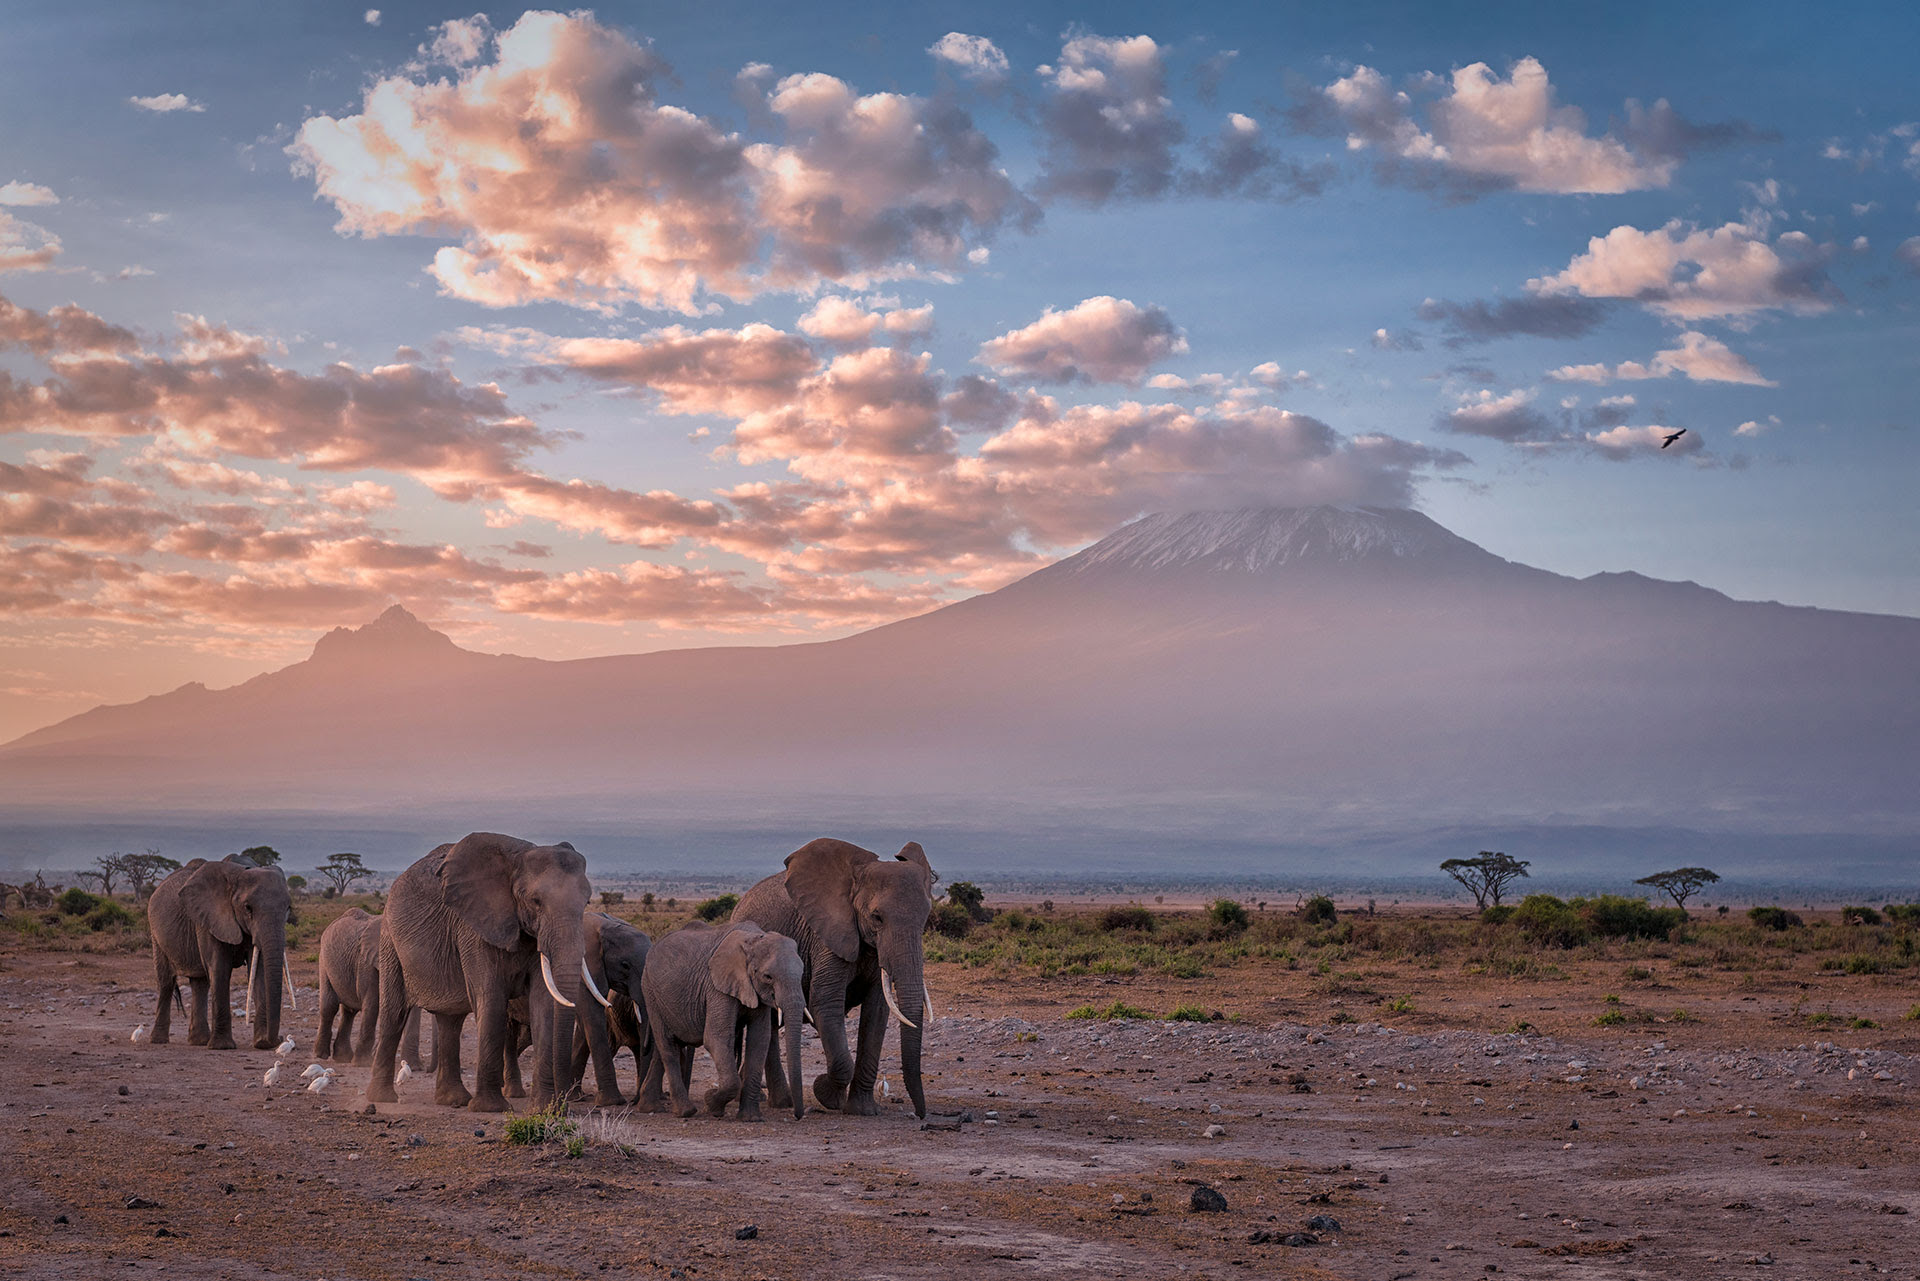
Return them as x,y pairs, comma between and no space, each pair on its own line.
612,1099
750,1112
687,1111
362,1060
264,1043
717,1100
495,1102
454,1098
221,1043
198,1038
157,1038
778,1096
644,1104
516,1091
859,1104
829,1091
381,1093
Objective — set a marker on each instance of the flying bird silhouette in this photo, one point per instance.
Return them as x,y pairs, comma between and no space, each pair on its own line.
1673,436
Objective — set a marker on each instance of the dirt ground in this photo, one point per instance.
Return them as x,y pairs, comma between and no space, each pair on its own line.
1442,1143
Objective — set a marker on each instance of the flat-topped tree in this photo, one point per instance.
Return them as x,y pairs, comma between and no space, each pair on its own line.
343,870
1682,883
146,871
262,855
1486,875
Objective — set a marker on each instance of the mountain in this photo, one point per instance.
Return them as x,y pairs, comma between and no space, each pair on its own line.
1300,678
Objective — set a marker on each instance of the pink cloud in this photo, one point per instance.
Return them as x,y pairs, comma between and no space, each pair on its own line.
1103,339
1685,272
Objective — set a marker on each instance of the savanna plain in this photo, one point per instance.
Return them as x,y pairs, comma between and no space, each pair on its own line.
1113,1090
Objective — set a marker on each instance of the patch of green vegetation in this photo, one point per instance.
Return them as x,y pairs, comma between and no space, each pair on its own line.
540,1127
1192,1014
1610,1019
1117,1010
1400,1005
1862,1024
1774,918
1228,917
717,908
1319,910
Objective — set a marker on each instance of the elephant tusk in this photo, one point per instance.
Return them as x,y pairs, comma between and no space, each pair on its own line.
253,976
926,996
592,986
886,990
546,972
293,991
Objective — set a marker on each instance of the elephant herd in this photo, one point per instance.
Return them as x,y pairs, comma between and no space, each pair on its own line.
498,928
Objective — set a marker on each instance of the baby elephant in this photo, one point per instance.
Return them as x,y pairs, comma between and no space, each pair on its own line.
350,988
721,989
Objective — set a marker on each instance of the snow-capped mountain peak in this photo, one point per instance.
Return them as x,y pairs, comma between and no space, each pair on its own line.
1260,539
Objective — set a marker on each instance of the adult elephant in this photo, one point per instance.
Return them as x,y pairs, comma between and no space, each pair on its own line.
616,958
859,921
467,928
206,919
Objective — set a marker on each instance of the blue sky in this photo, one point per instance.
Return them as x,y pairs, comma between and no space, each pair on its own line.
1353,307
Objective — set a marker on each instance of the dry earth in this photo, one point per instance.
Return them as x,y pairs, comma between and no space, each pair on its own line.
1742,1145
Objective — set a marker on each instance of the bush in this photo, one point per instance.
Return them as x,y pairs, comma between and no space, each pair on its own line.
1859,915
1118,1010
1228,917
1865,963
1774,918
77,902
950,919
1192,1014
1498,915
1549,922
715,909
1130,917
967,895
1902,913
108,914
1616,916
609,898
1318,910
540,1127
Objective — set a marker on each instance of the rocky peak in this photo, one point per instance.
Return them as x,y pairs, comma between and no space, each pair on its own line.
396,634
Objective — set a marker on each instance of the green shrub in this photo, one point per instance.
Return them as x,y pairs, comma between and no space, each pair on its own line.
108,915
950,919
1130,917
1610,1018
1228,917
1191,1014
971,898
1854,915
1498,915
1774,918
1902,913
715,909
77,902
1616,916
1117,1010
540,1127
1549,922
1865,963
1318,910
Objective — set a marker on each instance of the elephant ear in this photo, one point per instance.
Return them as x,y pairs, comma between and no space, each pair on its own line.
730,969
208,898
820,881
912,853
476,883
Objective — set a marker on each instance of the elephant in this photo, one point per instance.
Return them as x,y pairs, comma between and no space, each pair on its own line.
722,988
206,919
859,921
466,930
616,958
350,987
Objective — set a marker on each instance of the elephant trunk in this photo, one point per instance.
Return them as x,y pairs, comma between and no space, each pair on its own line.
271,953
563,960
909,1001
793,1011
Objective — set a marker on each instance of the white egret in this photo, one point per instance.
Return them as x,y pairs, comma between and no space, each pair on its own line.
275,1074
285,1047
404,1074
313,1070
320,1084
139,1036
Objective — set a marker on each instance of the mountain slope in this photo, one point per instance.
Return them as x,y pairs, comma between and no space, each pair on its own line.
1284,670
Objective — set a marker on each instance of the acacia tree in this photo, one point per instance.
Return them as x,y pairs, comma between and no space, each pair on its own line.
112,867
146,871
343,870
1486,875
262,855
1682,883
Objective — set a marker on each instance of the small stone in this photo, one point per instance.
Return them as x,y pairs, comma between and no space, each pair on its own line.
747,1233
415,1141
60,1218
1573,1125
479,1134
1206,1200
1213,1108
369,1110
1214,1132
1300,1238
141,1203
1323,1223
123,1091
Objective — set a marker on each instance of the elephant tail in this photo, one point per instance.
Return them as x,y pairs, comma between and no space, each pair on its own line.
179,1002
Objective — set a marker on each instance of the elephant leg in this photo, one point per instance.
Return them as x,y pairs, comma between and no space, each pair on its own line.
540,1037
866,1067
197,1032
222,998
674,1065
759,1031
410,1041
593,1037
343,1042
164,984
386,1029
329,1011
448,1090
491,1016
651,1071
369,1021
830,1020
778,1095
722,1032
515,1084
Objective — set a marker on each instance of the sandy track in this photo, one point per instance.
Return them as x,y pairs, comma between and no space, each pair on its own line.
1442,1152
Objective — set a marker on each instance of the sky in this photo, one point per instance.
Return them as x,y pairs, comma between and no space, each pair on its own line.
644,327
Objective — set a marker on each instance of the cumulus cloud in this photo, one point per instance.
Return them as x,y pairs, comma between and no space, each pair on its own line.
549,155
1396,340
1618,444
371,17
163,103
25,246
1238,162
1102,339
975,57
1539,316
26,194
1685,272
1755,427
709,371
1907,253
1511,418
1108,128
1484,133
1698,357
842,322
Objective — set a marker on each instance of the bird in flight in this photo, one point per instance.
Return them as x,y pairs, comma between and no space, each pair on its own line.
1672,436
